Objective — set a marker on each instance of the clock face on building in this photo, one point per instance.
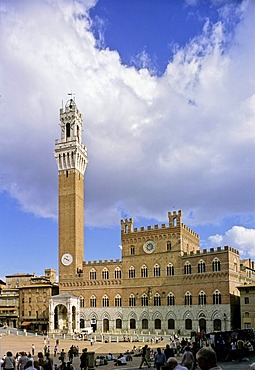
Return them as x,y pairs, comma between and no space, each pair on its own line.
149,246
67,259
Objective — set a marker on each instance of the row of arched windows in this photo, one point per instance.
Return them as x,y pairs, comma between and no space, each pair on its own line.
156,271
171,324
201,268
170,269
144,300
105,274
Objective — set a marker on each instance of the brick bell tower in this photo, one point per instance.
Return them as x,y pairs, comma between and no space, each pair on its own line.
71,157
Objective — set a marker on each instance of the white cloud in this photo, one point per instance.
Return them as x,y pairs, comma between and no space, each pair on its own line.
237,237
185,138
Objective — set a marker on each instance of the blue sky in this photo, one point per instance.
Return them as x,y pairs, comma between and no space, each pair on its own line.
167,91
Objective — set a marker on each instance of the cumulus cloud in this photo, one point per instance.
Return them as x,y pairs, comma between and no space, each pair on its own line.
183,138
237,237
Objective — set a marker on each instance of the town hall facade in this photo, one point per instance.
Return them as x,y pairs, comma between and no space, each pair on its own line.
163,284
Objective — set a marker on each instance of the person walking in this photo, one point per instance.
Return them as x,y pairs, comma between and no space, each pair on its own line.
187,358
22,361
160,359
145,349
169,352
62,355
84,359
207,359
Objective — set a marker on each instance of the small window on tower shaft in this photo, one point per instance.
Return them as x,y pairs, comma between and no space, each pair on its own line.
132,250
78,133
66,173
68,130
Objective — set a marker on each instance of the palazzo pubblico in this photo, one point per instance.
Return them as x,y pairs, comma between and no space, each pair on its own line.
163,284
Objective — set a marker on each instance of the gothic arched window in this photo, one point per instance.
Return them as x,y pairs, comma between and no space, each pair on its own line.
216,265
170,269
81,301
157,300
201,267
170,299
188,299
92,274
187,268
216,297
132,301
105,274
144,271
131,272
202,298
145,300
117,273
105,301
117,300
156,270
93,301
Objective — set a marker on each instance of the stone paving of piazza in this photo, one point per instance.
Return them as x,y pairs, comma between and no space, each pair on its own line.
16,343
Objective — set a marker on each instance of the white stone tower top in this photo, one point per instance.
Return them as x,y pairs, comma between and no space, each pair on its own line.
70,153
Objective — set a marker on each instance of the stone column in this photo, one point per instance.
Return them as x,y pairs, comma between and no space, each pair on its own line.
51,316
69,318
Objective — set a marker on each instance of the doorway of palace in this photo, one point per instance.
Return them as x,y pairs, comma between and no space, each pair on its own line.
132,324
202,325
93,323
82,323
145,324
157,324
105,325
118,324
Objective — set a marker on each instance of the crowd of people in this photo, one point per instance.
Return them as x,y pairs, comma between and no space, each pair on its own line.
178,354
40,361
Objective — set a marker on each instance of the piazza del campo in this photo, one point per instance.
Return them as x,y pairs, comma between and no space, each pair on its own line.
163,284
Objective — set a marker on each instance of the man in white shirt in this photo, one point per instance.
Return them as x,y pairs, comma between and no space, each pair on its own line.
121,360
207,359
172,364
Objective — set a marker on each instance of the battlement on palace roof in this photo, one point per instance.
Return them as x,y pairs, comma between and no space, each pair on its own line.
175,220
102,262
211,251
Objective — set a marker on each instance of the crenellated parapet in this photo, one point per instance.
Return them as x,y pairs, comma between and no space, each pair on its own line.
174,218
211,251
101,262
189,230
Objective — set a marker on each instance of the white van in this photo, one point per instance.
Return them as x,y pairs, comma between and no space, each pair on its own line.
87,331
